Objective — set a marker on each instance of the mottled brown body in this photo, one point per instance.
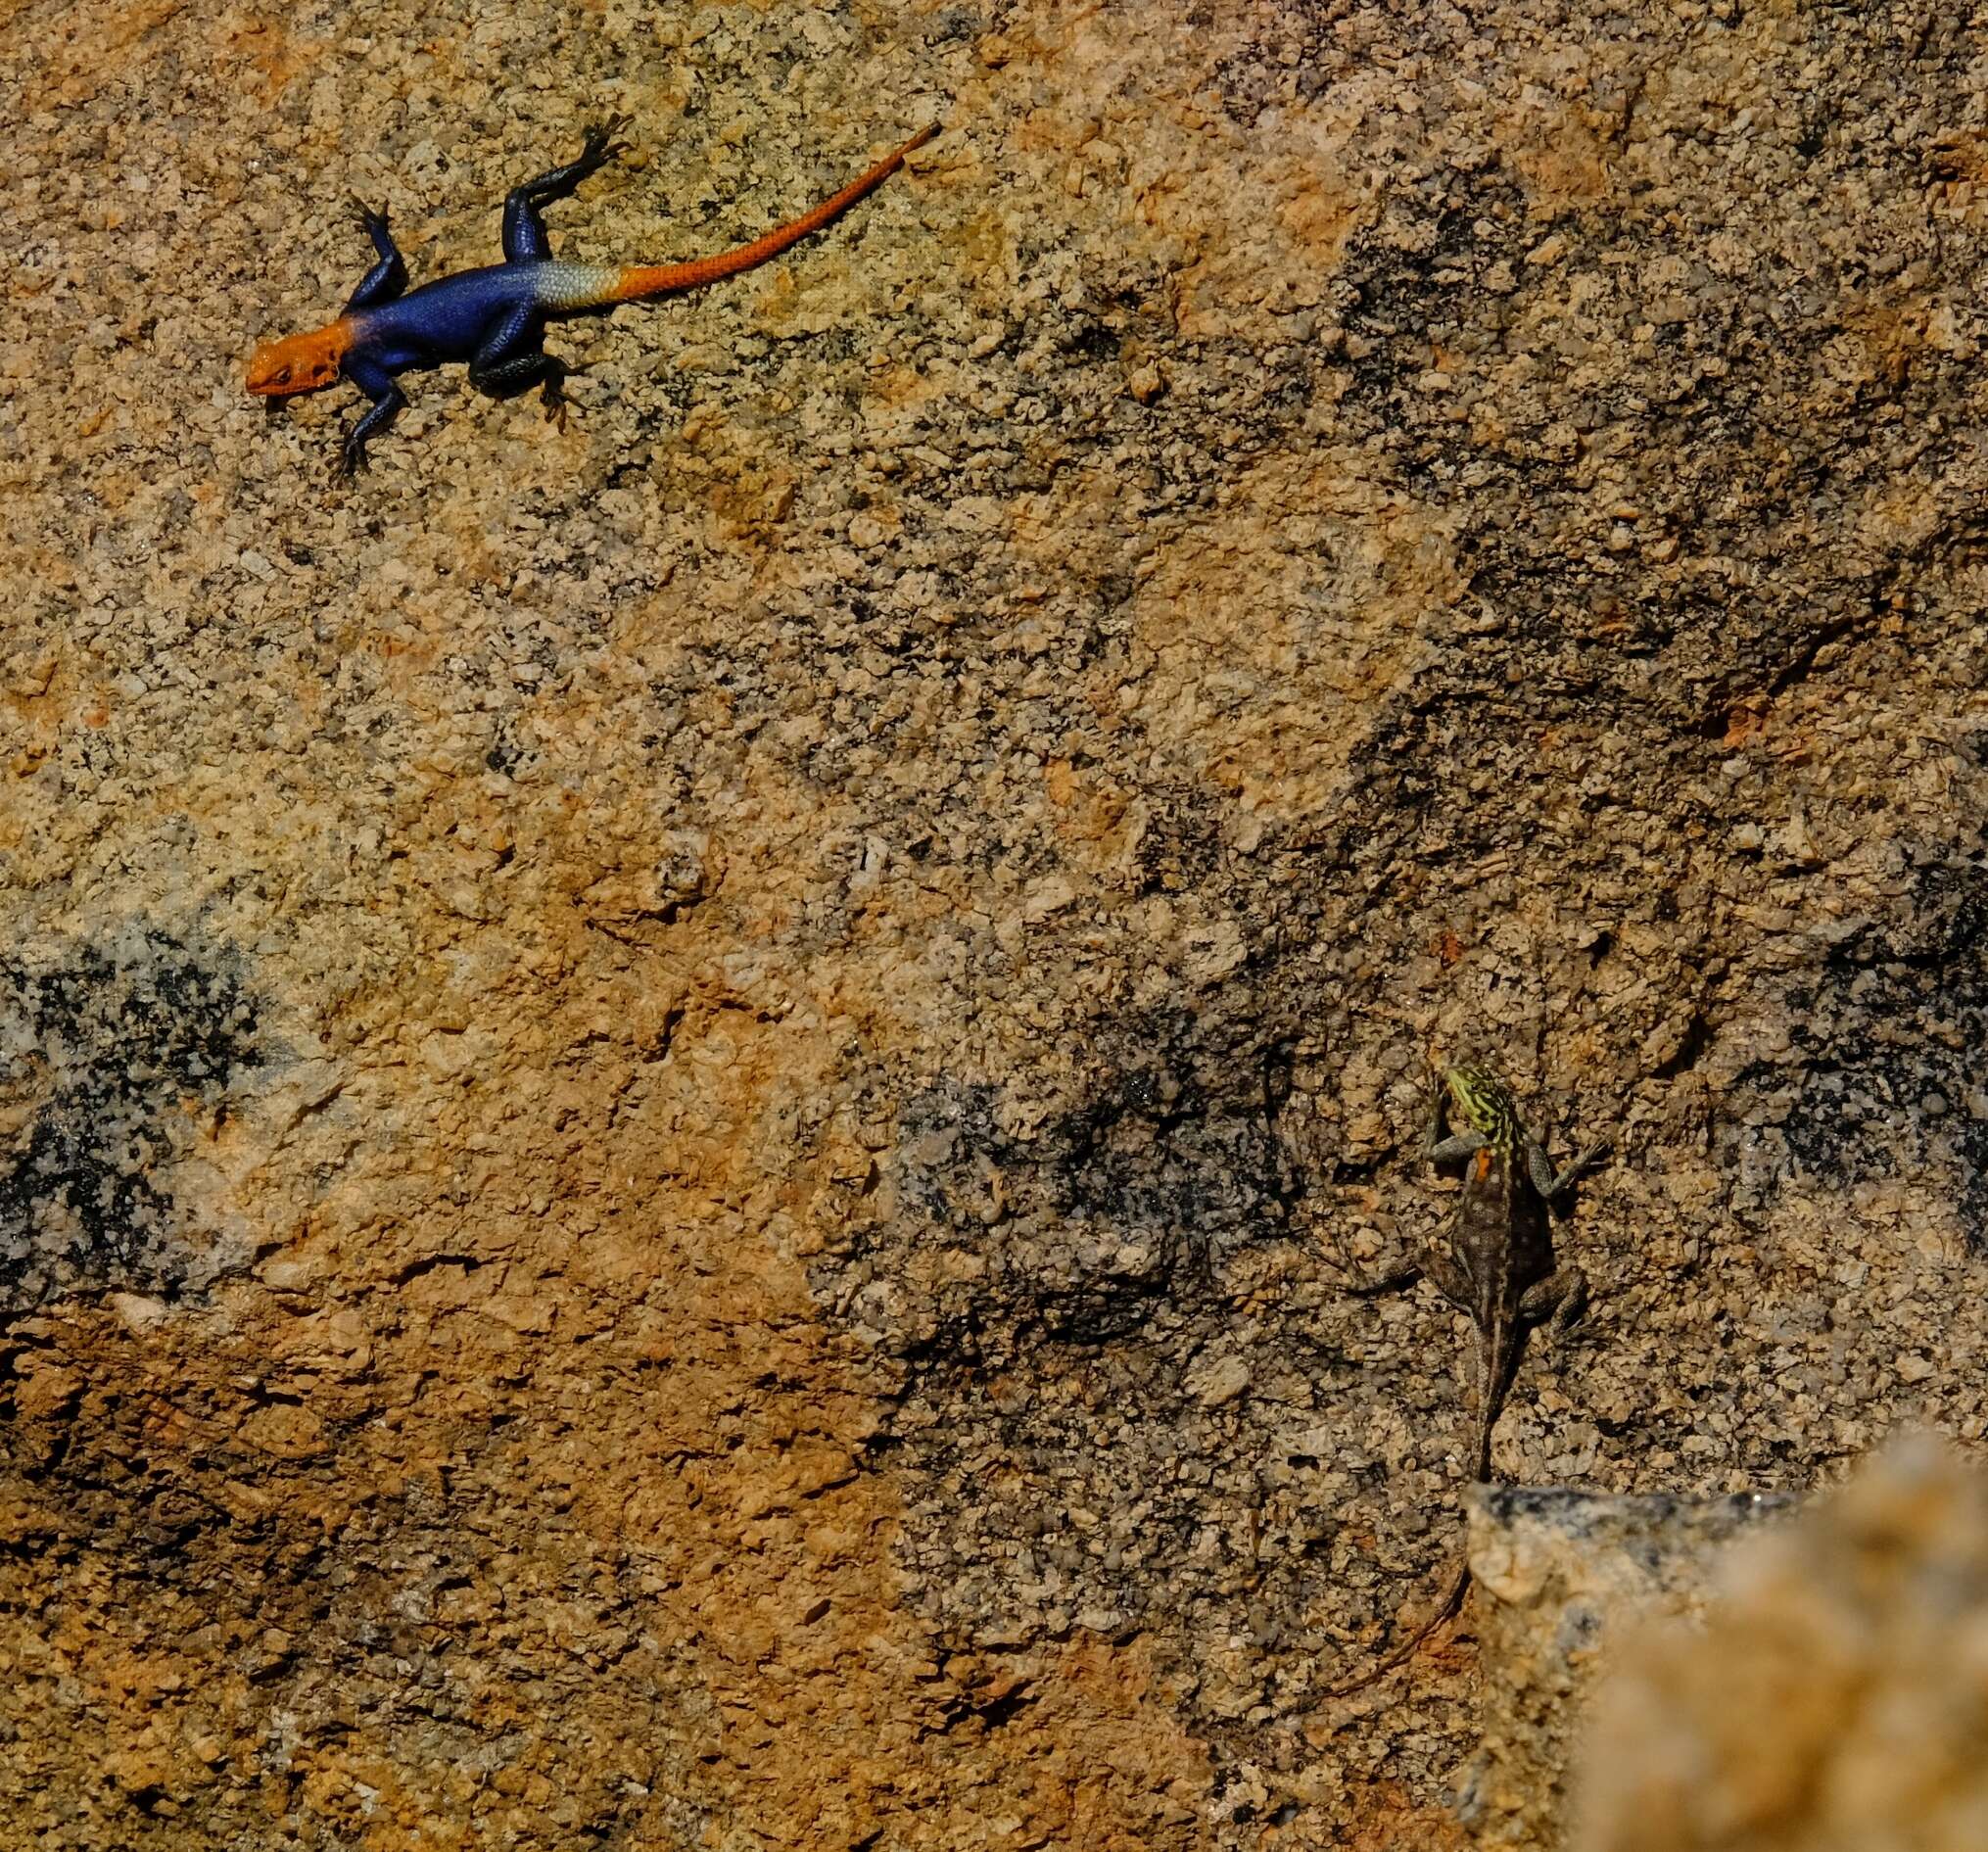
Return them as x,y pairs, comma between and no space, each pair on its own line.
1492,1259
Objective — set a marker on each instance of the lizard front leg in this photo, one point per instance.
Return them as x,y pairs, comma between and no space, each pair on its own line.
1436,1263
1539,1168
389,276
389,401
1458,1145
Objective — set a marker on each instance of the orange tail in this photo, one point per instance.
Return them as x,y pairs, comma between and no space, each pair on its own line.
661,279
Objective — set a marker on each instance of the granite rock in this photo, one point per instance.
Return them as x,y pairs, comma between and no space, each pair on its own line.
1561,1576
1833,1695
688,1101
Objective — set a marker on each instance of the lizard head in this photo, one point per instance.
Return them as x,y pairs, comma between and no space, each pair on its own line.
1481,1100
298,362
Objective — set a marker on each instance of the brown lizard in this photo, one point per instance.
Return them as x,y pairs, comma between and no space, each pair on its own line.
1492,1259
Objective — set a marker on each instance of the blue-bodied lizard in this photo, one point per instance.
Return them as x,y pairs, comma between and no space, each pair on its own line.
495,318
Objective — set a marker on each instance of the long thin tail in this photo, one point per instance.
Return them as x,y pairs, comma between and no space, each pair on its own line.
1496,1370
641,280
1404,1650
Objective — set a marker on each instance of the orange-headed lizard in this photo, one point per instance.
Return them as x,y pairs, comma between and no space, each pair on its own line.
495,319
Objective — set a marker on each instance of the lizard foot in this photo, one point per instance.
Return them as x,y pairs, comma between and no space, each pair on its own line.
554,397
602,146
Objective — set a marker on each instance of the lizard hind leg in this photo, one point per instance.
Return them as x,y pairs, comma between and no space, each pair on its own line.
512,359
1559,1302
526,239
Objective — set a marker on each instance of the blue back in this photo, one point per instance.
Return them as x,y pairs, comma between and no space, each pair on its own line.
448,319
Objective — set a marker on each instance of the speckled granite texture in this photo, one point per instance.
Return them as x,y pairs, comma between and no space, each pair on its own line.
688,1102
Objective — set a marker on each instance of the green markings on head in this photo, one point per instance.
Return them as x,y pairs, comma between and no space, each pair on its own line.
1482,1100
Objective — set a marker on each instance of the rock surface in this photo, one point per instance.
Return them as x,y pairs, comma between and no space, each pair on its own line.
1561,1576
689,1100
1834,1699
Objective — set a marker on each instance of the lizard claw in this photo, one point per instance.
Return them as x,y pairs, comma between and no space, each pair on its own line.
602,146
372,218
553,396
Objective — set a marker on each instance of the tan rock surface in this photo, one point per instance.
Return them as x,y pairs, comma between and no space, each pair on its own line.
1561,1576
686,1099
1833,1698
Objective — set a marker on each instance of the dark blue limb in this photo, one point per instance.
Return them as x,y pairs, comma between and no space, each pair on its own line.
512,359
388,277
525,235
380,386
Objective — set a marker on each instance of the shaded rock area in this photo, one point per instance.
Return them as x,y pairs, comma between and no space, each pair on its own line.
1834,1698
111,1052
689,1101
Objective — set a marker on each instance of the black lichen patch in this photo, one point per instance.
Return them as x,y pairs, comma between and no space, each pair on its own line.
1291,52
1503,346
1109,1214
1424,277
1057,1292
101,1054
1851,1107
